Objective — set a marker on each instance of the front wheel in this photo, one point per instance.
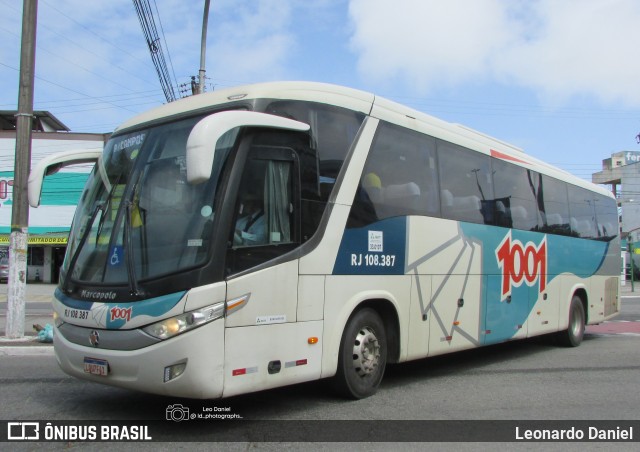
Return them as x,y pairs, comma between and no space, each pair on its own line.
363,355
572,336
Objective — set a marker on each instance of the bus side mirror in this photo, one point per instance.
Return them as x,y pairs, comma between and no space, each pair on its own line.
201,145
51,164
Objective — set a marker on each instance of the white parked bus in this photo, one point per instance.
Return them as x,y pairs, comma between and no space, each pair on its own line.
278,233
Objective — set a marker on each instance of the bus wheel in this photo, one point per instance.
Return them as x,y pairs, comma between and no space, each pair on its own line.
363,355
572,336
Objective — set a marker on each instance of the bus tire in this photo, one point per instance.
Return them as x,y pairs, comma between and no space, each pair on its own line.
572,336
363,355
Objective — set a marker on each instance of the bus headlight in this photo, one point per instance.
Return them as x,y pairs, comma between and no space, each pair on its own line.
57,319
179,324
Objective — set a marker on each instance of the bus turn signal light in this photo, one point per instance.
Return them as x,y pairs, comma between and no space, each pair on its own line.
312,340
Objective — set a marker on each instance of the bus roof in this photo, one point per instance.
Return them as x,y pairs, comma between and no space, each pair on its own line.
310,91
366,103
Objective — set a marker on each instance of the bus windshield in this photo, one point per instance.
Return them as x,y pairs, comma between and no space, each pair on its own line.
138,217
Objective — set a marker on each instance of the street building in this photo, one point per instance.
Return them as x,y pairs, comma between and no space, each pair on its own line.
49,224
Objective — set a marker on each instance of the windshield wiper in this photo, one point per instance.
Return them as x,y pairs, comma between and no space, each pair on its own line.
83,239
131,271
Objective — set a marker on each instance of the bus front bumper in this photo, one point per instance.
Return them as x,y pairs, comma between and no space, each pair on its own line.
200,352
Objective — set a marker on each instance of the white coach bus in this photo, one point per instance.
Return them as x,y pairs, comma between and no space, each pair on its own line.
278,233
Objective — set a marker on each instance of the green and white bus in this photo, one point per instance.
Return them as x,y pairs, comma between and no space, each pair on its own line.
277,233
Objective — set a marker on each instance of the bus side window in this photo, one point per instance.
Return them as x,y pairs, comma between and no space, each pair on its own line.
266,219
606,217
523,189
582,211
265,207
556,206
466,184
400,177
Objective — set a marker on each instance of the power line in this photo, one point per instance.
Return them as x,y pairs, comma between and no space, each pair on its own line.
72,90
90,100
145,16
115,97
42,25
165,40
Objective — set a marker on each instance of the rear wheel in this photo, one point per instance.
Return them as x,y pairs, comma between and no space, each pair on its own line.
572,336
363,355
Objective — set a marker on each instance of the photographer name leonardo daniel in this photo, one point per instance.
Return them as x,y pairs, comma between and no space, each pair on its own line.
573,433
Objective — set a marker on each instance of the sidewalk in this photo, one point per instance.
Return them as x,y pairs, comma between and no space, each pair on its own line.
38,294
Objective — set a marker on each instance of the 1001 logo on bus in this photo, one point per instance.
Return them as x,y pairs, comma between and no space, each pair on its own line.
121,313
522,263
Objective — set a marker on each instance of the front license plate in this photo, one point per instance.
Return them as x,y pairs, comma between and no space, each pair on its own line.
96,366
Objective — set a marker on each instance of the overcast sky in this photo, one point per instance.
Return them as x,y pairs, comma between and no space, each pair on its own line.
558,78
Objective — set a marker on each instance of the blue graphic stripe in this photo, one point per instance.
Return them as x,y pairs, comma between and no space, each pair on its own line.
153,307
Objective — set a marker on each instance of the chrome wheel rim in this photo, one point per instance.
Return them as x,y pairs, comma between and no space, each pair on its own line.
366,352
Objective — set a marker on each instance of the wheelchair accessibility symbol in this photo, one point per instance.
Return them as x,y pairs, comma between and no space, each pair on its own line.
115,258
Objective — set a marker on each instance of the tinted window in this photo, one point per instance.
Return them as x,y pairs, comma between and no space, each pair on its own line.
400,177
408,173
555,206
517,191
466,185
606,217
333,130
581,209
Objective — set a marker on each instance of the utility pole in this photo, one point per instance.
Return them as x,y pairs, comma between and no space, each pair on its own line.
16,287
203,47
